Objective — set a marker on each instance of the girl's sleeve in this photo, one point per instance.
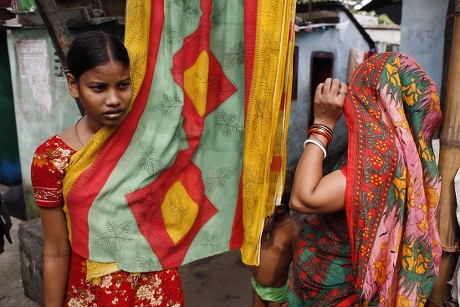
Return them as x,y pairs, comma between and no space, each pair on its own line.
47,172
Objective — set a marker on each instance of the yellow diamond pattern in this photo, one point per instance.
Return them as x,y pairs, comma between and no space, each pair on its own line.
179,212
196,82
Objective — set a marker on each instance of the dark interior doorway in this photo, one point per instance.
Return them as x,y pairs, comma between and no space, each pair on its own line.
321,67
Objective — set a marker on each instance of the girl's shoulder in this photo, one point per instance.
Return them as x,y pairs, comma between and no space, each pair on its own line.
54,151
49,163
52,145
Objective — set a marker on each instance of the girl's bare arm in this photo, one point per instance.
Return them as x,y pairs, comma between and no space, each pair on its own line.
56,256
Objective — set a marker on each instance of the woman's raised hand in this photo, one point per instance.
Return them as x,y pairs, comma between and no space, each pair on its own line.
328,102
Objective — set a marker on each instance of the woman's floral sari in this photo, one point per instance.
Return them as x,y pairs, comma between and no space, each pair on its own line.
384,249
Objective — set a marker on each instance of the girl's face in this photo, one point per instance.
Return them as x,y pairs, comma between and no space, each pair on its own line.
105,92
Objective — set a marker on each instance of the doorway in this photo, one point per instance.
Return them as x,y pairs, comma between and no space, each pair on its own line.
321,67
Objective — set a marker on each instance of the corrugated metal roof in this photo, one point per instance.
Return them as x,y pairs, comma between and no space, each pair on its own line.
324,5
393,8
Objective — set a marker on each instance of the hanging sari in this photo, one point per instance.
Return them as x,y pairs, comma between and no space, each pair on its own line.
198,162
384,249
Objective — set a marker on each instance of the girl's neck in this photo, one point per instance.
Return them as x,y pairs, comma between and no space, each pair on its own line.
281,218
83,131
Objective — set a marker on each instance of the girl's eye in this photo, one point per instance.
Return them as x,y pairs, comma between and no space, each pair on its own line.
124,85
97,88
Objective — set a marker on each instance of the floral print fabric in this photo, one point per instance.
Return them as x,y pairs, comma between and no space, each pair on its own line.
163,288
323,275
391,253
48,167
393,182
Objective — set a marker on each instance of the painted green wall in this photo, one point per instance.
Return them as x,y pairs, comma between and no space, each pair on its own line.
42,104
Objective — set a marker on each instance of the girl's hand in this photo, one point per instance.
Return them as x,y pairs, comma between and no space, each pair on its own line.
328,102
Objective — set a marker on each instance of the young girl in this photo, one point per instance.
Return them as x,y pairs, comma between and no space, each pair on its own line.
99,77
278,249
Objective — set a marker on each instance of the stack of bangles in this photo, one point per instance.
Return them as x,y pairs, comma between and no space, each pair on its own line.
323,130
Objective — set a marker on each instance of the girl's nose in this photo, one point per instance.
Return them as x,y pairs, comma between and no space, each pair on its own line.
113,99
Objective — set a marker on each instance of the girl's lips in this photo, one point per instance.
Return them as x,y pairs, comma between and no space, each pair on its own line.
113,115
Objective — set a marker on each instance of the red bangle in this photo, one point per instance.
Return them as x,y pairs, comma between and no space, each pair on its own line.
325,128
320,132
322,126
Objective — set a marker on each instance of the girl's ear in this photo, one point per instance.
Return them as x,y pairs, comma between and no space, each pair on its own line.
73,86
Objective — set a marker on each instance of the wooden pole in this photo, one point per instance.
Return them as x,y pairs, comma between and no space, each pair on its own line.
58,32
449,163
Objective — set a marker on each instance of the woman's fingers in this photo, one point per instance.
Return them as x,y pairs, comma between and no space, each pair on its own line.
331,87
343,89
332,91
327,85
335,84
319,91
328,101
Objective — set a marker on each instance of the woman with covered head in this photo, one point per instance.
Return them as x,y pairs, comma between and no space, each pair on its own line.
371,236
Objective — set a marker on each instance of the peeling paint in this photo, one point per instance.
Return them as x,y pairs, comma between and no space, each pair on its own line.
32,60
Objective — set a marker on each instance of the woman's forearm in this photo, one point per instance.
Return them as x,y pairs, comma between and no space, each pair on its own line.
313,193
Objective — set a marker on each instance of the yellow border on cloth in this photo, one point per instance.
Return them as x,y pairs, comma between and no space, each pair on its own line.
266,126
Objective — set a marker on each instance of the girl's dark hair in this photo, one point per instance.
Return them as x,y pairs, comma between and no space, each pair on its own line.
94,48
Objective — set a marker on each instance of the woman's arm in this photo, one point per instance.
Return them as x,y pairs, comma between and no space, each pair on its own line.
56,256
311,192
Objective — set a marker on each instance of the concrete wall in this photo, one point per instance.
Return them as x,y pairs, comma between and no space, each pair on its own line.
386,35
386,39
423,37
338,41
43,106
